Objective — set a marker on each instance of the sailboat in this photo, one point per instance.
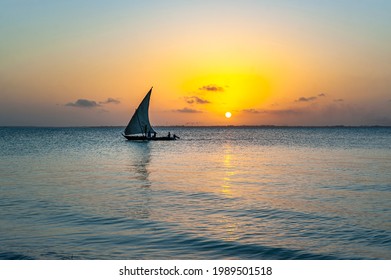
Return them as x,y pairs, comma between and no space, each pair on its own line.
139,127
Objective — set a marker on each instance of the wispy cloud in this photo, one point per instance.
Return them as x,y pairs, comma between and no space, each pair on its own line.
196,100
273,112
211,87
252,111
110,100
83,103
311,98
306,99
187,110
338,100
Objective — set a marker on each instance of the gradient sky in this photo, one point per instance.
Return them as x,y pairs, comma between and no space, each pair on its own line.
272,62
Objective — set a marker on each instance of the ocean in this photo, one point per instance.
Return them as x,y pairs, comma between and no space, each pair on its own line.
217,193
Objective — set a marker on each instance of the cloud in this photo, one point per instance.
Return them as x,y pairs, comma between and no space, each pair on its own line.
306,99
273,112
338,100
211,87
110,100
252,111
195,99
311,98
187,110
83,103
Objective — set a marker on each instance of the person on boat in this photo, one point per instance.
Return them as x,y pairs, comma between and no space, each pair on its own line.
154,134
149,134
145,130
169,135
175,137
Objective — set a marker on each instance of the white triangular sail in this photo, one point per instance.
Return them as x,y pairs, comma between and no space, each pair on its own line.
139,123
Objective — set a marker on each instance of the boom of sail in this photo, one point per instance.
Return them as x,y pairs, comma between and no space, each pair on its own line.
139,123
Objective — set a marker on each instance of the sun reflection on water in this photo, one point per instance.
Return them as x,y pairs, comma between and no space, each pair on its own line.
226,223
226,186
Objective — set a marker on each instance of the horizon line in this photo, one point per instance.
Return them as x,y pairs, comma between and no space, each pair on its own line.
202,126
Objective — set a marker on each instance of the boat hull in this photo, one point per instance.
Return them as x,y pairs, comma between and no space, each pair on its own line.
145,138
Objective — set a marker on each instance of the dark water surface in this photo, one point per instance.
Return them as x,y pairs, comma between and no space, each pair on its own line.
218,193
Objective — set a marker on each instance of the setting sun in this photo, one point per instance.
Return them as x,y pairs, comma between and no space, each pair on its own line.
228,115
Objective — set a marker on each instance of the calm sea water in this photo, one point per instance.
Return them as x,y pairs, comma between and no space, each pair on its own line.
218,193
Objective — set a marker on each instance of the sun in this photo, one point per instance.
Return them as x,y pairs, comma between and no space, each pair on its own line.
228,115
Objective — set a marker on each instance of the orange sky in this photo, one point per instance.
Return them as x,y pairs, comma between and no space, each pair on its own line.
267,62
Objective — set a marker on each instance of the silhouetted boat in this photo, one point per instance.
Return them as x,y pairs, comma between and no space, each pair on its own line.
139,127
